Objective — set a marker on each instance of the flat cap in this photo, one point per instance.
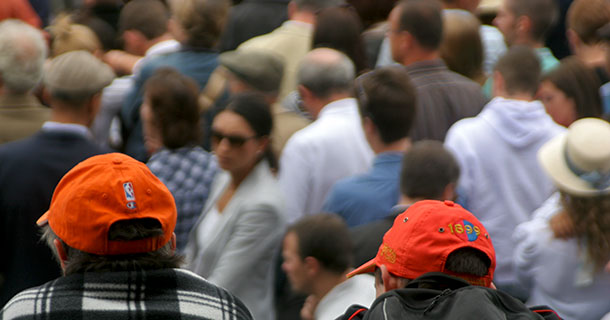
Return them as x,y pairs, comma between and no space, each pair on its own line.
77,74
259,69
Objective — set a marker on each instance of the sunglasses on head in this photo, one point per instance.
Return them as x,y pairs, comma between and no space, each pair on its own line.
234,141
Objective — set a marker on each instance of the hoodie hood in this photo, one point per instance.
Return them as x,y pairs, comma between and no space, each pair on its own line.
519,123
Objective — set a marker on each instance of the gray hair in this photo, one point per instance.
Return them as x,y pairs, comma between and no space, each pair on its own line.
325,71
81,262
22,54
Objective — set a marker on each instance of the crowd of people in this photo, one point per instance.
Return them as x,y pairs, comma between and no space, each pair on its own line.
304,159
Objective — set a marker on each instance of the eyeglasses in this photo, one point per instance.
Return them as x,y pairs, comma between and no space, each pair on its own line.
234,141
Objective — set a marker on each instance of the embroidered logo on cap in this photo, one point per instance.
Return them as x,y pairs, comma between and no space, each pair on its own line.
130,195
465,230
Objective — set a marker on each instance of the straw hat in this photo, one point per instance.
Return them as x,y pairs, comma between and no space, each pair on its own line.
578,161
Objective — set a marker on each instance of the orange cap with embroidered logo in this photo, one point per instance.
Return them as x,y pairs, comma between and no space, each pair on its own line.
422,238
103,190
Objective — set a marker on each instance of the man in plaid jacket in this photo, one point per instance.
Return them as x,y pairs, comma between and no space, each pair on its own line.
110,225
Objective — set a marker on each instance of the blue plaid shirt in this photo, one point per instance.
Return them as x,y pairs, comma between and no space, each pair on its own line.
188,173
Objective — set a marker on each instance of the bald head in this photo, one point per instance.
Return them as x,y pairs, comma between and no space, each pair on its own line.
326,71
22,54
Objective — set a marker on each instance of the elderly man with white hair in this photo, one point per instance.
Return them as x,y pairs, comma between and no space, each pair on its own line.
22,55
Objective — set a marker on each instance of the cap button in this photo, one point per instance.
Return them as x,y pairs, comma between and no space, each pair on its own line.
449,203
117,161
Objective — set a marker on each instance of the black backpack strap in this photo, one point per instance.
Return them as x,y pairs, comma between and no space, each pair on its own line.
546,312
354,312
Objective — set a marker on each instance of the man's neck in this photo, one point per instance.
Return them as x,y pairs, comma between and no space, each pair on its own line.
397,146
420,56
304,16
326,281
152,42
322,103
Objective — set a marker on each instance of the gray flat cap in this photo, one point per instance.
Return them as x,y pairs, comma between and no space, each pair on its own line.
259,69
77,74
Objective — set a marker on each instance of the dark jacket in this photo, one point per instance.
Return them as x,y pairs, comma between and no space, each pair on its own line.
29,170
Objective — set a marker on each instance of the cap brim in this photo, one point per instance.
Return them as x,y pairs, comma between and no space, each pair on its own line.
552,159
43,220
368,267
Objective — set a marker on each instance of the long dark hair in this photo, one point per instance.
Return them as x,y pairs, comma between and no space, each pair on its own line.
257,113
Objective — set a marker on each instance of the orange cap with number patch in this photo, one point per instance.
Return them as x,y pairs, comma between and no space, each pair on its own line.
424,235
101,191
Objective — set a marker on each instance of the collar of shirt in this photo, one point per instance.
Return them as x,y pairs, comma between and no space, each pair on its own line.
347,105
52,126
426,65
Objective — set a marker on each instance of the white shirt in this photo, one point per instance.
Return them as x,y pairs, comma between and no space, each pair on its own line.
357,290
315,157
206,228
557,271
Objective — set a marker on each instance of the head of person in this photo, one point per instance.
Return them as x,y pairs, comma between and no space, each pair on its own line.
241,133
387,103
428,171
578,162
517,74
22,54
111,213
198,23
324,75
416,28
432,236
468,5
461,48
140,22
526,22
73,82
570,92
252,70
169,112
316,245
340,28
583,19
68,36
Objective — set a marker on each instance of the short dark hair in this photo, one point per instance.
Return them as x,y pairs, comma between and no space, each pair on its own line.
542,13
340,28
468,261
146,16
585,17
427,168
256,111
580,83
423,20
126,230
520,69
173,99
388,98
325,237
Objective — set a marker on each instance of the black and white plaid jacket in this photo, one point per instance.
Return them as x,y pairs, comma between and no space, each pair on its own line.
159,294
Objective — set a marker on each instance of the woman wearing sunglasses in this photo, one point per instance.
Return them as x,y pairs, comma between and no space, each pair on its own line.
234,242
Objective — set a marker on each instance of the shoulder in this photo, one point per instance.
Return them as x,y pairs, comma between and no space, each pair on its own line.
201,297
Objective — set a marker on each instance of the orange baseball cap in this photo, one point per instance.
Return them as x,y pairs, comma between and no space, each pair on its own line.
105,189
424,235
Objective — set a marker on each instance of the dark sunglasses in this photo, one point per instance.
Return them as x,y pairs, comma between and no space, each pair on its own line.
234,141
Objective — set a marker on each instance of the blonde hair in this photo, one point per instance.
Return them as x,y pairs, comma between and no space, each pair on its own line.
591,219
201,20
68,36
461,47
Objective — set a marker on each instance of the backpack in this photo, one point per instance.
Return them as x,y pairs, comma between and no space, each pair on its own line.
448,298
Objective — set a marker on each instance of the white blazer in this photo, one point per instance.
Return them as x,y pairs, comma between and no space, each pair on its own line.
240,255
